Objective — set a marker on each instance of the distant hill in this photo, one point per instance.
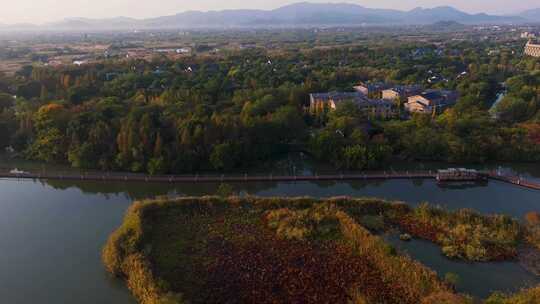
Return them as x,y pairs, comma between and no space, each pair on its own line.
447,13
531,15
18,26
446,26
299,14
324,14
85,23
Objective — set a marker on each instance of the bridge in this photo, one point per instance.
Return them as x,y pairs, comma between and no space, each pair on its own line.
130,177
515,180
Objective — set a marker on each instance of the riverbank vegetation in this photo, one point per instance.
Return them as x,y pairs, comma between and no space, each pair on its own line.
530,255
529,296
463,234
269,250
533,228
240,108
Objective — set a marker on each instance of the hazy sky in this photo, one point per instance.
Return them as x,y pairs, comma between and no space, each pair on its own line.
39,11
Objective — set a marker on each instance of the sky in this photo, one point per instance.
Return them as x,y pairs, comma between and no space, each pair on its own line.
42,11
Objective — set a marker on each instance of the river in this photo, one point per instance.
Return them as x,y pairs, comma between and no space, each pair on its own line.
52,232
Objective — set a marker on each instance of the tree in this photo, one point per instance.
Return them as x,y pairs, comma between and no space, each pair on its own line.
225,190
5,136
49,146
224,156
513,109
355,157
44,95
82,156
6,101
157,165
52,115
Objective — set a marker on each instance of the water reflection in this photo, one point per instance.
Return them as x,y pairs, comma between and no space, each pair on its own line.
52,232
462,186
477,279
491,197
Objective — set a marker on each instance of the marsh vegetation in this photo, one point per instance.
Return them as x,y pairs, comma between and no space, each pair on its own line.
279,250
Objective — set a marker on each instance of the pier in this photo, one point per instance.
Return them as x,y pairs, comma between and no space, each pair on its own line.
131,177
515,180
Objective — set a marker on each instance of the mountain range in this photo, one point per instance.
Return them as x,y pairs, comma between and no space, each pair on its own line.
532,14
299,14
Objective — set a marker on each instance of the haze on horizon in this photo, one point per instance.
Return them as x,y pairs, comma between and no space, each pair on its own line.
42,11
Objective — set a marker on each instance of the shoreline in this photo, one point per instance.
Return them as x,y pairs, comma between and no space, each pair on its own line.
494,176
529,258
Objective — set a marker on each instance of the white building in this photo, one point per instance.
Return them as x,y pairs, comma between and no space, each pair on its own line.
532,49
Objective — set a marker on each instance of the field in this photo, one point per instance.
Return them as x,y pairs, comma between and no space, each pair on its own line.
277,250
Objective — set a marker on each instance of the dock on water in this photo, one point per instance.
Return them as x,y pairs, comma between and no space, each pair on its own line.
461,175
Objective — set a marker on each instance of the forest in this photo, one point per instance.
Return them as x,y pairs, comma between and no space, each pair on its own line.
243,108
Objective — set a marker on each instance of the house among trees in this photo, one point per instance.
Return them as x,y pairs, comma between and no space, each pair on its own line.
367,101
378,108
372,88
325,102
320,102
431,101
401,92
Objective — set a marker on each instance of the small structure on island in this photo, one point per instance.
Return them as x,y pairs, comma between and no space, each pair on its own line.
405,237
460,174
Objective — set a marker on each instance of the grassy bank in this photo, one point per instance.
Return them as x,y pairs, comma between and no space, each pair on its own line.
272,250
462,234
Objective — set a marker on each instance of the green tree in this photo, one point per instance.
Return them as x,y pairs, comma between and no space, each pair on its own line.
157,166
225,190
49,146
224,156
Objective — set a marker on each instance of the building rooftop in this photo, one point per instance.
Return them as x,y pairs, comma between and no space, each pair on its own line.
404,89
337,95
438,94
356,97
376,102
534,44
375,85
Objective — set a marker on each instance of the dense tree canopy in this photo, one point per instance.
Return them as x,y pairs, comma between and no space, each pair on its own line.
246,107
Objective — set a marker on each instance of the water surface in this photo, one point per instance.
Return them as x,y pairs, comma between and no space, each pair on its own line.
479,279
52,232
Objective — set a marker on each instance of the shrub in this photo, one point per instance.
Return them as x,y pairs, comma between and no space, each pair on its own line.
318,222
372,222
463,234
451,278
529,296
445,298
122,257
533,228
